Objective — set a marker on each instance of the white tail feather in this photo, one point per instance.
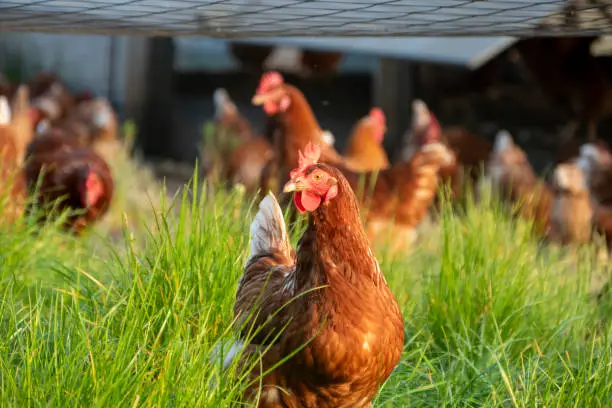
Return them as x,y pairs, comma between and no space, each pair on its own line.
328,137
5,111
268,231
503,141
223,103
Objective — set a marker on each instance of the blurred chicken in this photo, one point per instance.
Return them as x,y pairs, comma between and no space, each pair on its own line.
509,169
11,179
53,104
91,121
236,153
570,150
596,162
365,151
472,151
396,199
75,175
572,212
320,63
574,80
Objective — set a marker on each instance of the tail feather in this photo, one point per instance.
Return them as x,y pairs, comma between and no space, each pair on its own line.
268,230
328,137
5,111
223,103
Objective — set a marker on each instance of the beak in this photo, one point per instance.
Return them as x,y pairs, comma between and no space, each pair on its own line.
258,99
290,187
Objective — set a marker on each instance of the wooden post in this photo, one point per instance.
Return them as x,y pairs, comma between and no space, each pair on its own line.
393,92
142,86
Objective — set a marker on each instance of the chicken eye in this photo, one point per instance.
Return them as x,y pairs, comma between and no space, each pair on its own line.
317,177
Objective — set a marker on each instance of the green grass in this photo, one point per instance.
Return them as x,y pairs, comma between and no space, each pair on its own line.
492,318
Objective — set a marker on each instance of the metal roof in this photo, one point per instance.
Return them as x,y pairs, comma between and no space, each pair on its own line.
249,18
469,52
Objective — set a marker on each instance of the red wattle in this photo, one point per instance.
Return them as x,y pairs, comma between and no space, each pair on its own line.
305,201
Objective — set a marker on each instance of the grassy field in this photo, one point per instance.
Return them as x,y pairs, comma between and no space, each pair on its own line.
128,320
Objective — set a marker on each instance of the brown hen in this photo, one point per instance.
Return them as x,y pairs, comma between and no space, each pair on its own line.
338,306
572,210
365,151
12,191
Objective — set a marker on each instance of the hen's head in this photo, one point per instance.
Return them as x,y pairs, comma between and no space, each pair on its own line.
90,186
569,178
425,126
377,117
271,94
311,182
507,159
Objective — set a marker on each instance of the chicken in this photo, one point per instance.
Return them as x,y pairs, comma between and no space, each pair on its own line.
91,121
72,173
596,162
247,161
425,129
22,121
292,126
570,150
472,151
342,321
365,151
236,153
322,63
53,104
509,169
398,198
11,179
406,188
572,210
575,80
231,130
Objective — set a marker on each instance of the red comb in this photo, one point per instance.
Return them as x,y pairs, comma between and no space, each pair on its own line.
269,80
378,115
306,158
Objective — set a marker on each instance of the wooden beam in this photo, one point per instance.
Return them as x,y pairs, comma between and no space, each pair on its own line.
393,91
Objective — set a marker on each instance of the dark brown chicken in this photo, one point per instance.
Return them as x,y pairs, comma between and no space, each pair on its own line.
70,173
343,313
510,170
320,63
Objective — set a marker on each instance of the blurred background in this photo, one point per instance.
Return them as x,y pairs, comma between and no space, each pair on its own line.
484,81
